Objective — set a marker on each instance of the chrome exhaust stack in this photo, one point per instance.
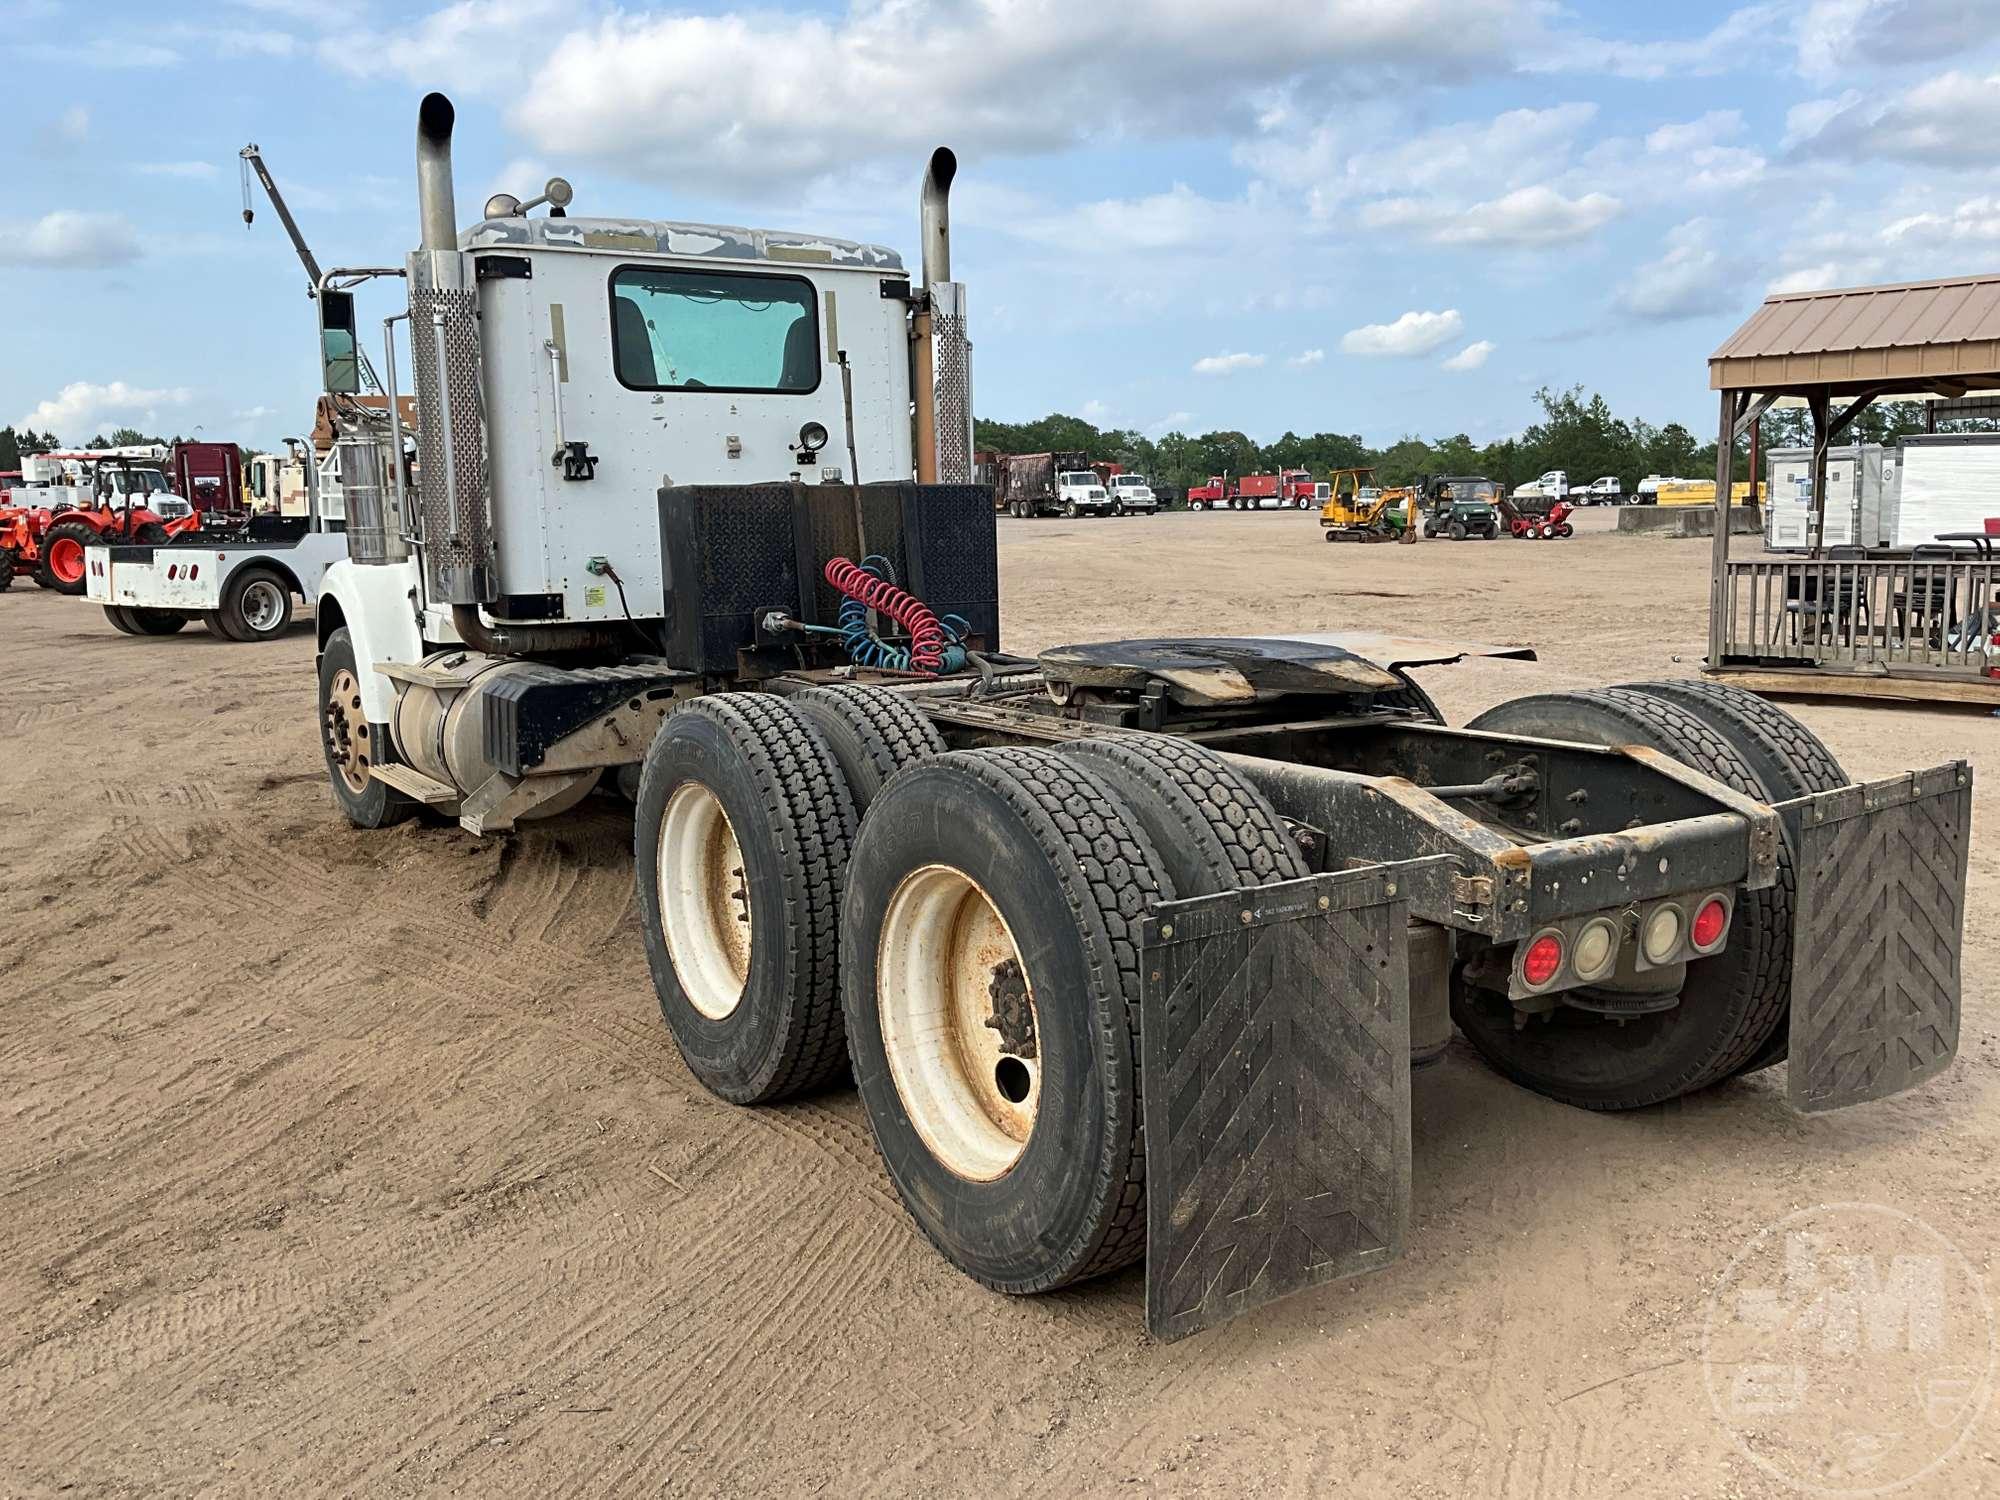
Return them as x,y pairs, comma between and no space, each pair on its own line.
942,369
935,215
436,212
453,522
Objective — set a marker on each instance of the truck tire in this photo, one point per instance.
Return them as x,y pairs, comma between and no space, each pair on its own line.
216,626
121,619
256,605
1789,759
350,743
1214,831
872,732
1001,1077
740,840
1729,1004
63,551
155,621
1410,696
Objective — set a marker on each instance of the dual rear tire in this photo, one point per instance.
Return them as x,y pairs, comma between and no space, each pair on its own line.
963,927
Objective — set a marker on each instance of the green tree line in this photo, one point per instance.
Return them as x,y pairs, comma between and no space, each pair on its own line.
1577,432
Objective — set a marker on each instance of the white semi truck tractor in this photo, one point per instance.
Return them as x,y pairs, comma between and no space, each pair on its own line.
1130,948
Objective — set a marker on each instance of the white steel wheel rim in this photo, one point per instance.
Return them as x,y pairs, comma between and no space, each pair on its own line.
262,605
704,900
959,1024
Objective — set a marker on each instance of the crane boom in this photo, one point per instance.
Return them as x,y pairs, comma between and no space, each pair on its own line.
253,161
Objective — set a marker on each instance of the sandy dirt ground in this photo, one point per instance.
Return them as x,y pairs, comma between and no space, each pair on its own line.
347,1164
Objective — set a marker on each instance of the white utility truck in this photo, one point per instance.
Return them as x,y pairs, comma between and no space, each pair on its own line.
1555,485
1131,947
240,584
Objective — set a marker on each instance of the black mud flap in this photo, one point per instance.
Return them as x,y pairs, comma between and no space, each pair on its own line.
1275,1038
1875,948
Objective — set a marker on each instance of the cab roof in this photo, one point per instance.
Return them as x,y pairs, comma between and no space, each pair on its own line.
670,237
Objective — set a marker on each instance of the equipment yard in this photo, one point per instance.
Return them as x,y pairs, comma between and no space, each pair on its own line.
343,1162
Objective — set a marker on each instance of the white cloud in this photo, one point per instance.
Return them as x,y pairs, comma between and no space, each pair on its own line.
1711,129
1472,356
70,240
72,126
1227,364
1094,412
1307,357
1944,121
687,98
1806,279
193,169
82,407
1173,421
1691,280
1530,216
1735,42
1412,334
1834,34
1976,221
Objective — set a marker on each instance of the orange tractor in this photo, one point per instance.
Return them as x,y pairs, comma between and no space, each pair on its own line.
114,503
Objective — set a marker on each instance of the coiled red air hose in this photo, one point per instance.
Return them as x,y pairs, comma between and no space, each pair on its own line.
927,635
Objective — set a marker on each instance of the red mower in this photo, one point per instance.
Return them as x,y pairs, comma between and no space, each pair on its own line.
1537,526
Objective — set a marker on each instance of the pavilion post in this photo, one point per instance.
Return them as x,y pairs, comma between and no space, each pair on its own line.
1817,403
1718,577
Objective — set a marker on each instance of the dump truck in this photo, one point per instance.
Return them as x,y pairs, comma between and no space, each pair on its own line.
1130,946
1051,484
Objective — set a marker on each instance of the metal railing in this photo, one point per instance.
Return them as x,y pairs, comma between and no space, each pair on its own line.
1918,612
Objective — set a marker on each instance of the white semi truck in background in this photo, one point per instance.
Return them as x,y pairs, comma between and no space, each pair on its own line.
1122,967
1555,485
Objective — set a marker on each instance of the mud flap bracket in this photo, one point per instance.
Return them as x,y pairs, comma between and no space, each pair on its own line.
1876,944
1275,1042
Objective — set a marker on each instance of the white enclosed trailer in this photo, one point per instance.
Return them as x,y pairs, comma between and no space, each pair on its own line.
1856,477
1945,482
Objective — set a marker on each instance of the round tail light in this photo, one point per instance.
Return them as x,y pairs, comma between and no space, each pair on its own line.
1661,937
1542,960
1596,951
1711,921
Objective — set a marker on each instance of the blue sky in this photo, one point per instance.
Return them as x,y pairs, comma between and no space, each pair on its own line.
1373,216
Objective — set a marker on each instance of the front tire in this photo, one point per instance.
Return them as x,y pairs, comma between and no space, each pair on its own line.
350,744
64,550
1456,531
991,989
740,841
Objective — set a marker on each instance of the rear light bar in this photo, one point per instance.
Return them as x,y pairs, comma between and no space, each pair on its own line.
1587,949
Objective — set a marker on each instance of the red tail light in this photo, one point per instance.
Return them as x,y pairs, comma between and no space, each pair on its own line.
1710,922
1542,960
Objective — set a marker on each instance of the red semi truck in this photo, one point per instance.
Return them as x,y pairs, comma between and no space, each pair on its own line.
209,476
1288,489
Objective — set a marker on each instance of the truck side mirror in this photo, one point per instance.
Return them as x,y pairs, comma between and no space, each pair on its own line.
339,357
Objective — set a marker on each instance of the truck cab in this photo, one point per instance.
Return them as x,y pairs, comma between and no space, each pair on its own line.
1080,492
1132,492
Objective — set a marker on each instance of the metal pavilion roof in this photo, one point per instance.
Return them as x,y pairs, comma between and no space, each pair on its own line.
1944,332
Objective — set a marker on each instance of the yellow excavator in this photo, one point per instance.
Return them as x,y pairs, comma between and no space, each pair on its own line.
1357,510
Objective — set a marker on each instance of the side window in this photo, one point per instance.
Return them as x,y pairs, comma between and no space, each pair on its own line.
685,330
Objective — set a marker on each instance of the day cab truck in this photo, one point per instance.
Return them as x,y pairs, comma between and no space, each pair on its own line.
1132,494
1289,489
1555,485
1129,947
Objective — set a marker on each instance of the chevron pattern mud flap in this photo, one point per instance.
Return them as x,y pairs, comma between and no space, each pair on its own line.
1875,946
1275,1040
